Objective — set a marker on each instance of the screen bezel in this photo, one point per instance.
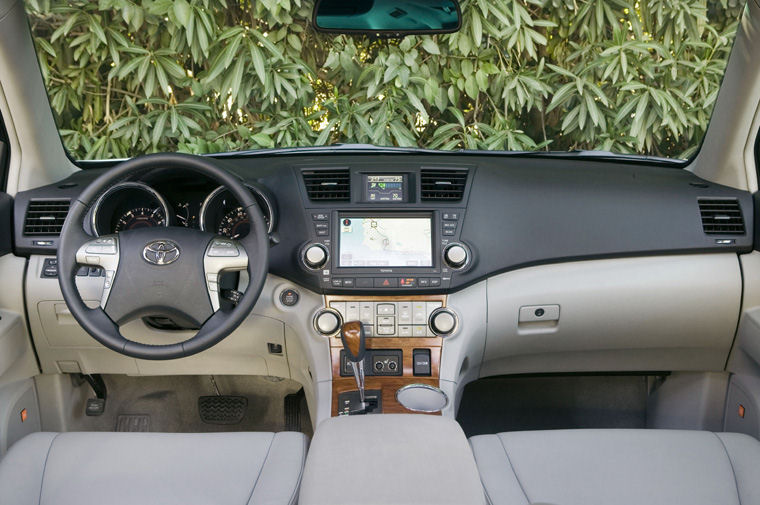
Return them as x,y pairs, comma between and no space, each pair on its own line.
389,269
404,188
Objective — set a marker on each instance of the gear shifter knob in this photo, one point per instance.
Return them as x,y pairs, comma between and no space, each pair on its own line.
354,343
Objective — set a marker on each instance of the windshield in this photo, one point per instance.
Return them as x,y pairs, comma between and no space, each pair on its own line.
208,76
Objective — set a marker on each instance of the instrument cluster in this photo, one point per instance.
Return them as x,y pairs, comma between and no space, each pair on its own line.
132,205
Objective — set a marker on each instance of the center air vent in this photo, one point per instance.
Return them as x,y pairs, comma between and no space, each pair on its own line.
45,217
442,185
721,217
331,185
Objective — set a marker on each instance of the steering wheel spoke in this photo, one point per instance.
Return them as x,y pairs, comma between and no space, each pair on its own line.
101,252
222,255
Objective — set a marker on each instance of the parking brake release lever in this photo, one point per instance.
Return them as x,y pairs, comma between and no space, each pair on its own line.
354,343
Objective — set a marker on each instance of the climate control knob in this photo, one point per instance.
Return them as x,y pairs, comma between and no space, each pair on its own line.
456,256
315,256
443,322
327,322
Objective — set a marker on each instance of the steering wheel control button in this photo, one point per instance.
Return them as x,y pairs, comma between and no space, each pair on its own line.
315,256
327,322
443,322
456,256
223,249
289,297
161,252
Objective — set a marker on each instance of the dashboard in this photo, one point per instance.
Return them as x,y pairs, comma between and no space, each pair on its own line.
371,223
174,200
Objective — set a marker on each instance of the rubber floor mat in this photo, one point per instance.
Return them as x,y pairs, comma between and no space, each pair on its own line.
222,409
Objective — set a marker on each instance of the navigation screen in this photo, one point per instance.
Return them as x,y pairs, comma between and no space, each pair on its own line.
386,242
385,188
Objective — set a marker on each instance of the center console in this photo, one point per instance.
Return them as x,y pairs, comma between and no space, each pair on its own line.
404,339
370,460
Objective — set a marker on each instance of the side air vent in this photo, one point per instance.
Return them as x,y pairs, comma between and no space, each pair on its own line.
332,185
442,185
721,217
45,217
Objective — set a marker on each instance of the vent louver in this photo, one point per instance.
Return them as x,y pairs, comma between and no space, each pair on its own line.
442,185
332,185
45,217
721,217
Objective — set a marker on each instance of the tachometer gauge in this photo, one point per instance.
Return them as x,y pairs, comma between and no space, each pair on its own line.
234,224
141,217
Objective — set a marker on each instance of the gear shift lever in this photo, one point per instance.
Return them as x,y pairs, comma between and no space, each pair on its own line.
354,343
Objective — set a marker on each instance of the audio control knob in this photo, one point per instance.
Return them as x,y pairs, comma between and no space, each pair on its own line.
327,322
456,256
315,256
443,322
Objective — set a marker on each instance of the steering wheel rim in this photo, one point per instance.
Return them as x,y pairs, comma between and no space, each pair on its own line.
220,324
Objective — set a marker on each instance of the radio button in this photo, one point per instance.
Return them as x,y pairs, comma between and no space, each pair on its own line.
365,282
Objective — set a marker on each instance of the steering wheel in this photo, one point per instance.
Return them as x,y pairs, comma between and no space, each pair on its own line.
170,271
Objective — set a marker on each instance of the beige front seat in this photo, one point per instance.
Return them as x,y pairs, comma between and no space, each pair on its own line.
620,467
153,468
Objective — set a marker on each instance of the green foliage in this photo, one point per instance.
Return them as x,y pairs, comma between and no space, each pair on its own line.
127,77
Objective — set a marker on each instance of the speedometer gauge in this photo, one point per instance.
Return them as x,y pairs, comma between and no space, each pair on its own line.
234,224
141,217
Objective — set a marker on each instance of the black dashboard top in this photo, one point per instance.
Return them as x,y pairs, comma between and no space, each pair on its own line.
506,213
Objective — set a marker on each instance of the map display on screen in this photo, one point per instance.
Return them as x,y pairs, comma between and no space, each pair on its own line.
386,242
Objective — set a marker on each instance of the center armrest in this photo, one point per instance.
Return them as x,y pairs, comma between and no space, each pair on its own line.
402,459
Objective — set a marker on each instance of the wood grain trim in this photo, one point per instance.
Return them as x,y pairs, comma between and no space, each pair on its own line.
435,365
388,387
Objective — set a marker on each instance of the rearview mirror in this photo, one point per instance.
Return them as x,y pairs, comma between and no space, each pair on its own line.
387,17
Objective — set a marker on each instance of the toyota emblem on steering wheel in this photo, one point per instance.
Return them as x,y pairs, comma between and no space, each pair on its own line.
161,252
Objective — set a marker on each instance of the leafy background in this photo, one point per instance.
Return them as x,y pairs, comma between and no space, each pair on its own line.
202,76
